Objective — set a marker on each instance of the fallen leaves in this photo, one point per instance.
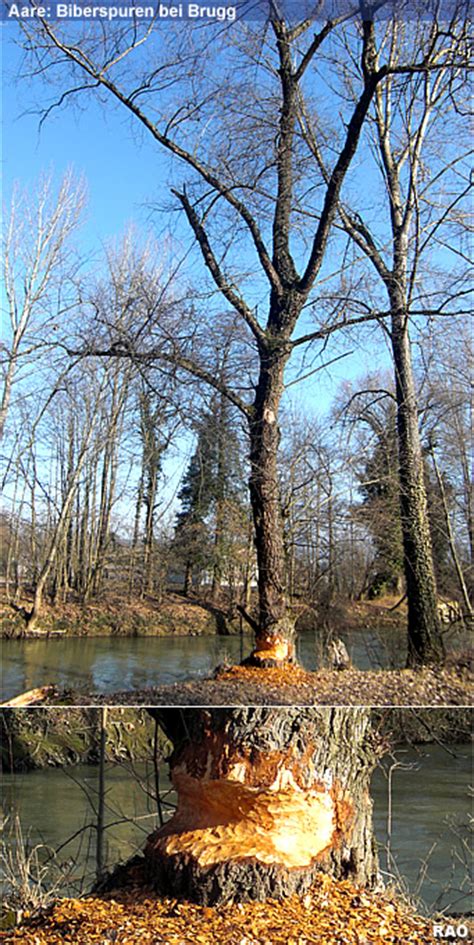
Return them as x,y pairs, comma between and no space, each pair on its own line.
332,913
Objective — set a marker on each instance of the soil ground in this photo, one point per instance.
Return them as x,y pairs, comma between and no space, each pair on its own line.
116,616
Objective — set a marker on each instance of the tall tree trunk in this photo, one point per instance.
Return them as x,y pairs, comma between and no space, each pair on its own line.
104,518
136,531
149,536
275,630
188,578
463,445
267,798
220,504
425,644
100,825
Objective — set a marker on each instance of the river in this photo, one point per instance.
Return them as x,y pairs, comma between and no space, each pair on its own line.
108,664
430,808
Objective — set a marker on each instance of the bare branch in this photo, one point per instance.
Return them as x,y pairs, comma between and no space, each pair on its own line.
227,290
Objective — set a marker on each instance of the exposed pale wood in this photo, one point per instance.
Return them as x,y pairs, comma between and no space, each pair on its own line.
29,697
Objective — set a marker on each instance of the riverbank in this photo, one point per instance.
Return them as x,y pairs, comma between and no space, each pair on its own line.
291,685
53,737
176,615
58,738
333,911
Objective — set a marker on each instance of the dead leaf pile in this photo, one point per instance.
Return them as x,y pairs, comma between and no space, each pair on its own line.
332,913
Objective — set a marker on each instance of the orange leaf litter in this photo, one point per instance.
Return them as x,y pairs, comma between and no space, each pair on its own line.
286,674
331,913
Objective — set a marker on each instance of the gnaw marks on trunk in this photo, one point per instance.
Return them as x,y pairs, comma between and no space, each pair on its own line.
266,799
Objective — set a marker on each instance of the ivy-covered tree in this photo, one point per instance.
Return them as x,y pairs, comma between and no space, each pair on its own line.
379,511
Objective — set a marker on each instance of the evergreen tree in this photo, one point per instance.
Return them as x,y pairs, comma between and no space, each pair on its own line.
208,495
380,512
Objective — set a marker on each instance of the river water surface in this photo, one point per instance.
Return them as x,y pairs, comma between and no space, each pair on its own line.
108,664
430,807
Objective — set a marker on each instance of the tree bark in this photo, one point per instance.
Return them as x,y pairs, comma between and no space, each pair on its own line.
188,578
274,637
425,644
220,500
267,798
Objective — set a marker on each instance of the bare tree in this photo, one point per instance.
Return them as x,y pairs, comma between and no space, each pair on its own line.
446,357
250,176
416,214
82,437
38,265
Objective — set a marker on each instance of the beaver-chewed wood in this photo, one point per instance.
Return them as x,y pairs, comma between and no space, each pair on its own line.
266,799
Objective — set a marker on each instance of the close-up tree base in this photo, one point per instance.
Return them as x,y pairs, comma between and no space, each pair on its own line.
265,798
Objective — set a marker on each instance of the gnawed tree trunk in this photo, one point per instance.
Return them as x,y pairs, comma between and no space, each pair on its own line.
267,798
425,643
275,629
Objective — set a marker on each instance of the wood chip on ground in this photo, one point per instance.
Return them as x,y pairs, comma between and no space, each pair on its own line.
331,913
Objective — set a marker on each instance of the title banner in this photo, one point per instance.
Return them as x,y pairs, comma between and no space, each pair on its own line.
111,10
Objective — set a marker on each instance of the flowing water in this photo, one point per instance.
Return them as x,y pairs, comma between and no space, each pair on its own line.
430,807
108,664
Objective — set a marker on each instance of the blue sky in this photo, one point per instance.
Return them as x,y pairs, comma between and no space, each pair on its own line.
97,142
125,171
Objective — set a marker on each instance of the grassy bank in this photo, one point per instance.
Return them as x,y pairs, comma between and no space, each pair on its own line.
176,615
119,617
56,738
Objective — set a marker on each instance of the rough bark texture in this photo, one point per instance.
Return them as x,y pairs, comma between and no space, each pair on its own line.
274,641
266,799
425,644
